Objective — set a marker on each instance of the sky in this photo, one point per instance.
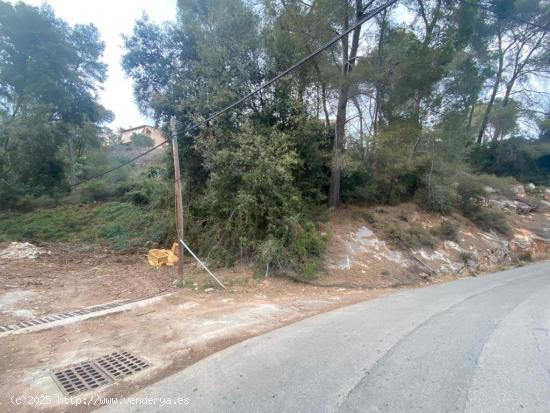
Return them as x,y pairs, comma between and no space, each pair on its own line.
114,18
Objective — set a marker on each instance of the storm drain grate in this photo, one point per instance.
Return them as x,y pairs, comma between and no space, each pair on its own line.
121,364
90,375
63,316
80,378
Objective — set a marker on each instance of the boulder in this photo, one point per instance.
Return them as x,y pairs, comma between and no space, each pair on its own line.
530,187
489,189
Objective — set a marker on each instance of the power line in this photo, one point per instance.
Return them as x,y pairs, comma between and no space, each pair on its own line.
284,73
291,68
128,162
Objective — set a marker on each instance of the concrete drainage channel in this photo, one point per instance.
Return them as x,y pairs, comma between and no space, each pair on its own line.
72,316
90,375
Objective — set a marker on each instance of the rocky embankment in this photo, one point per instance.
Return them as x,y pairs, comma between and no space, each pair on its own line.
359,253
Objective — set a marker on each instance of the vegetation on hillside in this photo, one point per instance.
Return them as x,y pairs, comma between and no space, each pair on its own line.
406,108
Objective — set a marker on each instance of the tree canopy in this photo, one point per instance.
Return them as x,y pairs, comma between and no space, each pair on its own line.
50,73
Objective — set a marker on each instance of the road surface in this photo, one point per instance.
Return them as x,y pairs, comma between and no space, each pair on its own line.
471,345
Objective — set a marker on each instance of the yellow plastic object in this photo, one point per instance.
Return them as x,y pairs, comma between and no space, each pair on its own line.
158,258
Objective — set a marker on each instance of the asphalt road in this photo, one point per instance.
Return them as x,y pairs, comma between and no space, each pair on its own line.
471,345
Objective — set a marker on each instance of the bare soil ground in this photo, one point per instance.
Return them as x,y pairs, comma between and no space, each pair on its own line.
74,277
171,332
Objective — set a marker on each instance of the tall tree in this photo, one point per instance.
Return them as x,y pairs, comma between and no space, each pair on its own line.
50,73
521,50
349,57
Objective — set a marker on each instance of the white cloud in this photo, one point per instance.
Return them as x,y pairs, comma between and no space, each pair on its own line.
114,18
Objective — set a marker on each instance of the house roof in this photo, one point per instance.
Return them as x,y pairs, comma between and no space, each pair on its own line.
137,127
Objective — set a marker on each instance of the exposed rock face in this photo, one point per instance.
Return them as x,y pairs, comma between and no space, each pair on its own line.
362,248
358,254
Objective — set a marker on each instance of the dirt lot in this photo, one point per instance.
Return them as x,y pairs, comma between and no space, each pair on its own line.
170,332
68,277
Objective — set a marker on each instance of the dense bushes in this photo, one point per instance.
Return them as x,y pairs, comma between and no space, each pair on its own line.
518,157
251,204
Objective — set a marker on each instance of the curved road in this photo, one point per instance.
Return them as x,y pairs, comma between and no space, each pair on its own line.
471,345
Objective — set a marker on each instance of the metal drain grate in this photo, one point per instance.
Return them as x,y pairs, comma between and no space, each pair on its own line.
58,317
121,364
80,378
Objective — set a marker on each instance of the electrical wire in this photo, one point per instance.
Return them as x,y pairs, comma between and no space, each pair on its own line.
284,73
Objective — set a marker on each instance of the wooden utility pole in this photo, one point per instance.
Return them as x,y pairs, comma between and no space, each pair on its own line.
179,201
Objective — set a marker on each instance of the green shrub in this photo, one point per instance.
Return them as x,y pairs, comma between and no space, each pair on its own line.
299,257
436,196
447,230
29,203
406,239
265,217
465,256
141,140
489,220
95,191
25,203
470,192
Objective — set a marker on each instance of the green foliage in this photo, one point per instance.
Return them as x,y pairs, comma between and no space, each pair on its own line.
117,225
49,76
447,230
488,220
142,140
465,256
389,175
517,157
413,237
265,216
471,193
95,191
436,196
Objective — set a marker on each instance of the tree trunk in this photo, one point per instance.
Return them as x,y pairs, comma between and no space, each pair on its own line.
378,95
70,156
505,100
470,117
485,120
323,95
348,59
361,129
